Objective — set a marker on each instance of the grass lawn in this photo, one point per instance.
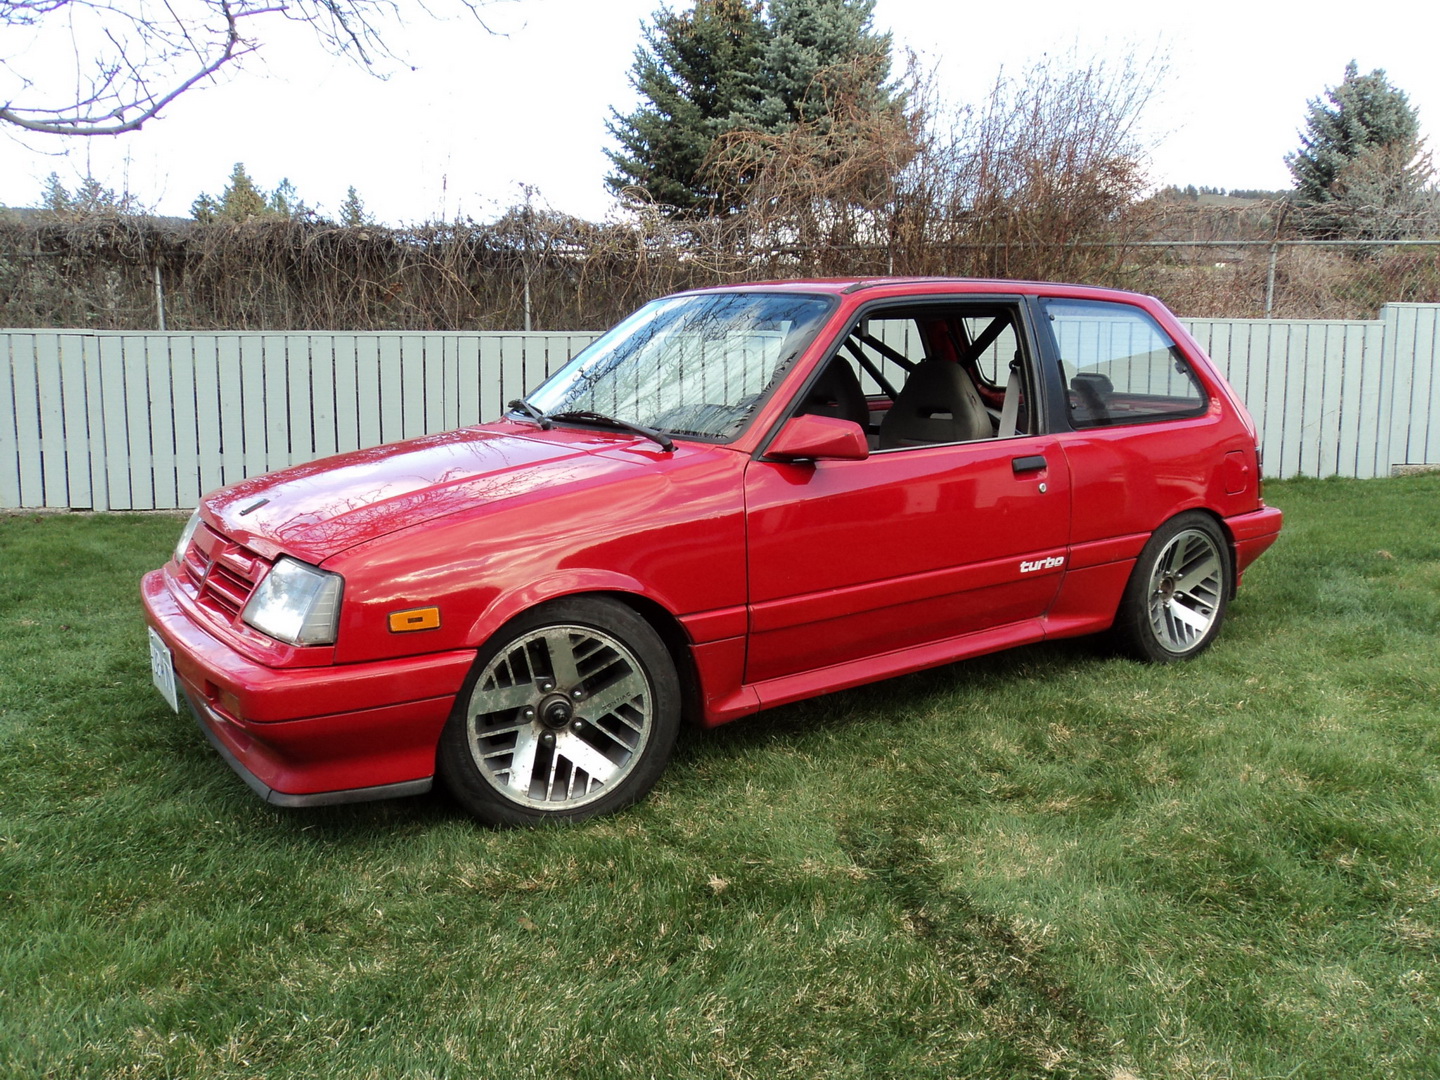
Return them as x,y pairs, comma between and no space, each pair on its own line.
1047,863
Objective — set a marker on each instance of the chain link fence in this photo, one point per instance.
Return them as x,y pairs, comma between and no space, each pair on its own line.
551,273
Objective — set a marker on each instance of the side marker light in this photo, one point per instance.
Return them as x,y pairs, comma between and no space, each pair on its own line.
426,618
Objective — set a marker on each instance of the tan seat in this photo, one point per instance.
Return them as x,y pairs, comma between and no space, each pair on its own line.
937,404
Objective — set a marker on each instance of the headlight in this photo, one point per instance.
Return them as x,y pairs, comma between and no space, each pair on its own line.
296,603
189,531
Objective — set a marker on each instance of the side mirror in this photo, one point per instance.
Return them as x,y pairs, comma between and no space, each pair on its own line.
819,438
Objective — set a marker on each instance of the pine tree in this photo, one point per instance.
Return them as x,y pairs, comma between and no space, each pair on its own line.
352,210
812,44
285,202
89,197
1361,165
204,209
696,72
736,67
241,199
55,198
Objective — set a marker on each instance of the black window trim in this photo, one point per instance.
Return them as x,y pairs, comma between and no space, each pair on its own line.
1062,418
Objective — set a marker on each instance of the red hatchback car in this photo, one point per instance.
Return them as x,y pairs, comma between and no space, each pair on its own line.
736,498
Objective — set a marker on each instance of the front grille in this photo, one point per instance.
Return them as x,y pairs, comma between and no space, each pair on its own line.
220,573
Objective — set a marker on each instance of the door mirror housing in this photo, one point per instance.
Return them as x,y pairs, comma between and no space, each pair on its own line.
819,438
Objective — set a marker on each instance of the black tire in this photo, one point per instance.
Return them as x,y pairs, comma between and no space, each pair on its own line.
570,711
1175,600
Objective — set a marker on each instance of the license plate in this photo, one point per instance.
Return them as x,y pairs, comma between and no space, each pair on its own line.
162,670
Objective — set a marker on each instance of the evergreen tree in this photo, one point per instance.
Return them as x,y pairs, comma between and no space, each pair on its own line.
1361,163
811,45
352,210
696,72
204,209
55,198
90,197
734,67
285,202
241,199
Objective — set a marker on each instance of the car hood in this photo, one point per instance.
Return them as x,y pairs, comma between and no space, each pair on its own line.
317,510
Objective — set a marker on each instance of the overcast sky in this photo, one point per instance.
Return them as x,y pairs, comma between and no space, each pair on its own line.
479,116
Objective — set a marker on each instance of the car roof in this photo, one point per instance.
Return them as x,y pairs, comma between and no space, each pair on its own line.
924,286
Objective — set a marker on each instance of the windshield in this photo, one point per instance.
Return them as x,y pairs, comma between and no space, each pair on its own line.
688,365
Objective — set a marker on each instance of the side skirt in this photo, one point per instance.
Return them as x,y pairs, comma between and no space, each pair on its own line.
900,662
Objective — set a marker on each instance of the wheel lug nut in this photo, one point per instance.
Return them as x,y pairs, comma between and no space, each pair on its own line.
548,739
529,713
578,726
577,694
546,686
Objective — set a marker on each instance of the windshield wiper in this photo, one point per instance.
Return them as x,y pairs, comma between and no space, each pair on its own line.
521,405
610,421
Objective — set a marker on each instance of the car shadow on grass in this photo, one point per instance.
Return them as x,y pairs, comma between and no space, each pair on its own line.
895,702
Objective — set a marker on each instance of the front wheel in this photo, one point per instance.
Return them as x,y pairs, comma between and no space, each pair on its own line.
1175,600
570,711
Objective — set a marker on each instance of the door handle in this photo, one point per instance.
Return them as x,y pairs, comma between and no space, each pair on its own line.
1033,463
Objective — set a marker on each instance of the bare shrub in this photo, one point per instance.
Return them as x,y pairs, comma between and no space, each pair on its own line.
1036,183
826,188
1043,181
282,275
1204,288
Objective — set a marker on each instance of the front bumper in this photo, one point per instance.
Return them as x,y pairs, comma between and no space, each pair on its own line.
315,735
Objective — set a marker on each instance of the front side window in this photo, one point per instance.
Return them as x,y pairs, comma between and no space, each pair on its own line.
1119,365
688,365
929,373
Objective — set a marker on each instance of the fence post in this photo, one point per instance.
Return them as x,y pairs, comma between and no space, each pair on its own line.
159,301
1270,281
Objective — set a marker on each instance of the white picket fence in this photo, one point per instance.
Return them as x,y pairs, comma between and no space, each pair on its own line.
110,420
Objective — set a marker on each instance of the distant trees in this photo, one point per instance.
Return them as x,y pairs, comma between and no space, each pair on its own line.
740,66
1258,193
90,196
352,210
1191,193
243,199
1361,170
240,201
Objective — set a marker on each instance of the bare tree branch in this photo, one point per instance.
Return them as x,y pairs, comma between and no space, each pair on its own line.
130,59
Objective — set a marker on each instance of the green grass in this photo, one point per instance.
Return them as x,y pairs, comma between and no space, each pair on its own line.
1046,863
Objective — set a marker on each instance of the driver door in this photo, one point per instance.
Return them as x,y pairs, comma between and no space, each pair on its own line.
916,544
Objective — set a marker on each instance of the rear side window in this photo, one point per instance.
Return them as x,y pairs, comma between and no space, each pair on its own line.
1119,366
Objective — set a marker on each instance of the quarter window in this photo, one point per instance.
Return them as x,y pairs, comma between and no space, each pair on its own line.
1119,366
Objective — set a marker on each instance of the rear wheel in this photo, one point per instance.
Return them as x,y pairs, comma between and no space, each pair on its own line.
570,711
1175,600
